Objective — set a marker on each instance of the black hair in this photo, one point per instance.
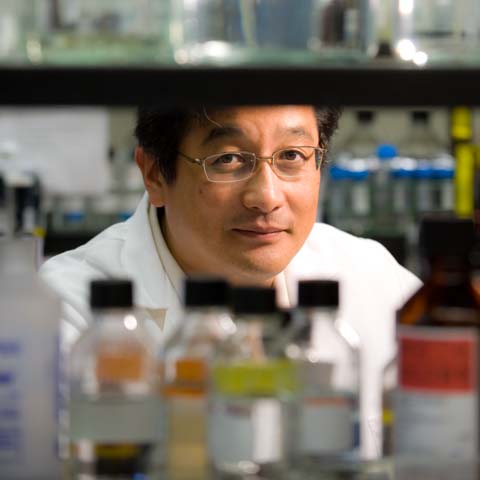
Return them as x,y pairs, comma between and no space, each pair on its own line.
159,132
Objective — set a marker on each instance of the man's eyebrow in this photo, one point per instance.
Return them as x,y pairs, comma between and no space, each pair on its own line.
297,132
221,132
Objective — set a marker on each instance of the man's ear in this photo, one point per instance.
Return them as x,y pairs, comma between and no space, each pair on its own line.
152,178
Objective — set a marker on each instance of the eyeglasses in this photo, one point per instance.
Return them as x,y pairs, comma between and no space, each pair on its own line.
289,162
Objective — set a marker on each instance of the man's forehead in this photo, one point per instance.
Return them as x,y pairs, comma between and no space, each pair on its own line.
213,115
237,122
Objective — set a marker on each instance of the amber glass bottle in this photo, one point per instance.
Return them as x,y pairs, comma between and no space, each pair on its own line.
436,399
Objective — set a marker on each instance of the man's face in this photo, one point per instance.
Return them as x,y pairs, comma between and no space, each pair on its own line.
246,231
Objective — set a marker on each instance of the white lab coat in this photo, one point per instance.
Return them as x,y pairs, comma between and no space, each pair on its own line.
373,286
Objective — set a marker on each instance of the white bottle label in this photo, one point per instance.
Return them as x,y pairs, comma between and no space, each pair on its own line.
327,425
247,430
436,405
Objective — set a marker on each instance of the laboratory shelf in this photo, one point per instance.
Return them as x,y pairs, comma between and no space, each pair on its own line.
372,84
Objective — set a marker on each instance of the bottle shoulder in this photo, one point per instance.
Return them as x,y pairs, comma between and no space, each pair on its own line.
442,305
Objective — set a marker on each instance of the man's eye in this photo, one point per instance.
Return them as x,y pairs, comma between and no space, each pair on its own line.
292,155
229,158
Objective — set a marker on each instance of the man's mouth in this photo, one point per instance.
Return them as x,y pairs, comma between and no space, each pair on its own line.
269,233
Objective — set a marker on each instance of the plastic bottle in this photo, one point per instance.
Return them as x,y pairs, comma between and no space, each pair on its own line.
381,189
403,171
186,360
115,410
327,437
429,152
338,198
29,365
436,400
443,173
360,201
253,390
348,206
424,196
363,142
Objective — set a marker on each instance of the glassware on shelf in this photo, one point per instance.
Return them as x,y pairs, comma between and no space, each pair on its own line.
253,391
436,398
95,32
327,357
187,358
115,412
277,31
437,30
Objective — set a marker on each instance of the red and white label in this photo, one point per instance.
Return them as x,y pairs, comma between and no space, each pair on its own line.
436,405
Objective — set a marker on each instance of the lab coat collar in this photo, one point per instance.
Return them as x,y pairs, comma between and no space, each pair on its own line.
142,263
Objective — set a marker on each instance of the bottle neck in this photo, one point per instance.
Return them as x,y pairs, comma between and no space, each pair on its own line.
259,333
121,316
207,319
318,319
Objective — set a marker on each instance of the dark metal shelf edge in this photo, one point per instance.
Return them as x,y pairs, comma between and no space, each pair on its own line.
167,87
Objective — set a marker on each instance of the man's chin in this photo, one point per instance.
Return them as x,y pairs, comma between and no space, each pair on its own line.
255,271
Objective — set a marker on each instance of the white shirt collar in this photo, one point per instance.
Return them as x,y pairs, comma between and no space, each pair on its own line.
174,273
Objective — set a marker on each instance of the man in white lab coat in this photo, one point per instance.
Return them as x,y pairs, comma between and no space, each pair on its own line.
233,192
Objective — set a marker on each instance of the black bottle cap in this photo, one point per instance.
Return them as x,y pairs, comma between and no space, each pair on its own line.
205,291
446,236
318,293
252,300
111,293
365,116
420,116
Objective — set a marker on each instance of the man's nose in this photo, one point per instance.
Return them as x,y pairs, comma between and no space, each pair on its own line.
263,191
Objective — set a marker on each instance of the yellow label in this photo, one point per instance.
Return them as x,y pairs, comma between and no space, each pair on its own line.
461,123
464,176
249,378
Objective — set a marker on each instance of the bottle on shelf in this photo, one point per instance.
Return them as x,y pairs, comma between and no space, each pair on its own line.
253,391
382,220
327,357
115,416
436,397
186,361
403,188
436,31
433,162
348,201
30,380
363,142
113,31
268,32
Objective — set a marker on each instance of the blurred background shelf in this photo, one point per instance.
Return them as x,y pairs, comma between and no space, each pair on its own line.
378,83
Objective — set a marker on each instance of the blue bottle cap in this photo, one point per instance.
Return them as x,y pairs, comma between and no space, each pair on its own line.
386,151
